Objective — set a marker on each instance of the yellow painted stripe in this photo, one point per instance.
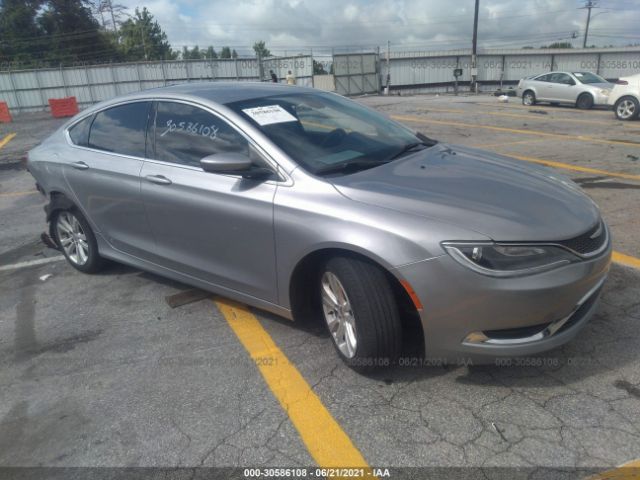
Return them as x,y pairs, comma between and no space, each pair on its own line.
627,471
502,144
576,168
627,260
6,139
18,194
582,138
323,437
551,109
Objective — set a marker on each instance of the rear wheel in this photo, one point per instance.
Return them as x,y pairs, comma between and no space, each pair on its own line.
528,98
361,313
585,101
77,241
627,108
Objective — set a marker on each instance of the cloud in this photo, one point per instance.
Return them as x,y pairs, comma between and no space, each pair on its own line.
408,24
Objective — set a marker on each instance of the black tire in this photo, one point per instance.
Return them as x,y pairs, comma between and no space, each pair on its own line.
378,328
585,101
529,95
94,262
631,110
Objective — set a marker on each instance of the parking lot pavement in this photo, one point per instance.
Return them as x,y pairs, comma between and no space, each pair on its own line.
97,370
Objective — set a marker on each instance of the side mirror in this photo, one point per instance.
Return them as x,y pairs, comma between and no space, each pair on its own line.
234,163
226,163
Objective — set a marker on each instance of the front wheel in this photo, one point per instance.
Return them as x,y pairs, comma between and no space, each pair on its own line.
528,98
77,241
584,102
627,108
361,313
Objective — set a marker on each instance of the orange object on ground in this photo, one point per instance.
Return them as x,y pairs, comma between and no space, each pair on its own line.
5,115
63,107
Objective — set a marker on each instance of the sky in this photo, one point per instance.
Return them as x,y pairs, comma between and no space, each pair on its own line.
296,26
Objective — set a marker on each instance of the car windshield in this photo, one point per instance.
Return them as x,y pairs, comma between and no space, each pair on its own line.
588,77
327,134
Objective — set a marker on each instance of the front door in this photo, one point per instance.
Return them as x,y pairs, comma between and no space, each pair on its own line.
214,227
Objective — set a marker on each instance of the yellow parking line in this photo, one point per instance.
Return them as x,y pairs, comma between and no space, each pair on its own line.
538,133
325,440
502,144
6,139
626,260
627,471
576,168
551,109
17,194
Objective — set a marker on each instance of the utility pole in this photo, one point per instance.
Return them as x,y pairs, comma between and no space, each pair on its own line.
386,90
589,4
474,51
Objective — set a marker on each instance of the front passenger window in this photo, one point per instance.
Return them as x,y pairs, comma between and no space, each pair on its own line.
185,134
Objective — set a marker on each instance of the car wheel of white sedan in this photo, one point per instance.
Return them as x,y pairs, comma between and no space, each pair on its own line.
361,313
528,98
77,241
627,108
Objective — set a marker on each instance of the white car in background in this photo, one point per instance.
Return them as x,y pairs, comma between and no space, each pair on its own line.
582,89
625,97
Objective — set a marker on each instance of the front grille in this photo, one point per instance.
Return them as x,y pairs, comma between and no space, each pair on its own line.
586,245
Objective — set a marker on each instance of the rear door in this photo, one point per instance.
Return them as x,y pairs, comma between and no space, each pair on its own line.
104,175
215,227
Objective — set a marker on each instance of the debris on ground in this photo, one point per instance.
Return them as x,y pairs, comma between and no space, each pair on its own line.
185,297
46,277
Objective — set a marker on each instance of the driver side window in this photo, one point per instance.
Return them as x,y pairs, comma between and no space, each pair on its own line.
185,134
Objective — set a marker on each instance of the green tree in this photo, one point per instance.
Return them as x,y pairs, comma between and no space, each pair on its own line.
73,33
234,54
193,54
210,53
559,45
142,38
20,34
261,49
225,52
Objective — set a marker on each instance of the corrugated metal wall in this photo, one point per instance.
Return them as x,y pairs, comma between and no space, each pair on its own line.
355,73
434,70
29,90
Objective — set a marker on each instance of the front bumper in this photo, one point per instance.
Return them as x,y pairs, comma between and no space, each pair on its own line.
469,317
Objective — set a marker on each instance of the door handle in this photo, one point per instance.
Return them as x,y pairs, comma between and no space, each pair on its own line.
158,179
79,165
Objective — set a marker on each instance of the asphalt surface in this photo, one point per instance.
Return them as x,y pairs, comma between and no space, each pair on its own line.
98,371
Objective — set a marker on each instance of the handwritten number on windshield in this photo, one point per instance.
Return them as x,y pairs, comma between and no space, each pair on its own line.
191,128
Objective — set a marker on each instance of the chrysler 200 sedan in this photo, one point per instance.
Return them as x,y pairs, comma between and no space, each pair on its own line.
304,203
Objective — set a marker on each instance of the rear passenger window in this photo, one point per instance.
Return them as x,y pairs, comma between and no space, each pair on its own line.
543,78
121,129
185,134
79,133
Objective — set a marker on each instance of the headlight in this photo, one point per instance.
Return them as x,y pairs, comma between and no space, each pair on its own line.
508,260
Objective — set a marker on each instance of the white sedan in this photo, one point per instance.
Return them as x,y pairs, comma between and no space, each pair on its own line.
582,89
625,97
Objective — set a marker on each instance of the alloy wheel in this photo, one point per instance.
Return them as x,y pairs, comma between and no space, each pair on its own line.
626,109
72,238
338,314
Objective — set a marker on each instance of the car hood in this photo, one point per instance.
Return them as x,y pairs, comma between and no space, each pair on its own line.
606,86
502,198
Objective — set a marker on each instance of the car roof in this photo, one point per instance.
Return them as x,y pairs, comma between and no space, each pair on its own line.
223,92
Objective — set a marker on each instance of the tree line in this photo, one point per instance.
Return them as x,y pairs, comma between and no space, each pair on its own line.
37,33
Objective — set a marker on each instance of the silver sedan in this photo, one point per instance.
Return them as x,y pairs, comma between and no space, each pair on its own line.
582,89
306,204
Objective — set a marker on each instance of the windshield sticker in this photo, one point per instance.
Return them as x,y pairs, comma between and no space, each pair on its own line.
269,114
578,74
